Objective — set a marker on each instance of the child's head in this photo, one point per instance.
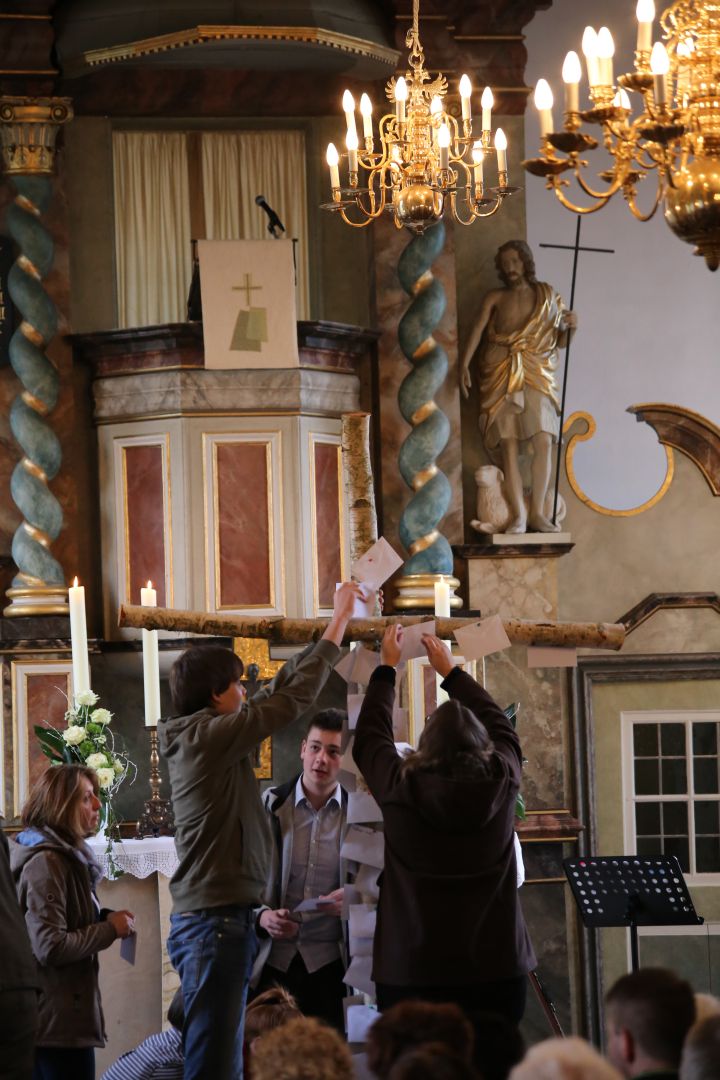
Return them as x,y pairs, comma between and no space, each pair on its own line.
200,674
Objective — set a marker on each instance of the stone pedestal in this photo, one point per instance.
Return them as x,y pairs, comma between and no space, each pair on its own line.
222,487
514,576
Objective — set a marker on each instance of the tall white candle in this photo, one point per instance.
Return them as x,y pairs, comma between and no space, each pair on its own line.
366,113
465,97
78,637
401,96
645,12
348,104
151,662
571,73
487,101
333,159
543,104
501,149
659,66
444,146
442,600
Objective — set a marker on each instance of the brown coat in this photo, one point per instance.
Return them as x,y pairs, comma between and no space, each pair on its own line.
55,893
448,912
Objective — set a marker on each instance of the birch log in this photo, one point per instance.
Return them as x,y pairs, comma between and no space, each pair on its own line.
358,482
299,631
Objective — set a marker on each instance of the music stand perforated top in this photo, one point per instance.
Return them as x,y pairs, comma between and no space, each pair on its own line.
620,890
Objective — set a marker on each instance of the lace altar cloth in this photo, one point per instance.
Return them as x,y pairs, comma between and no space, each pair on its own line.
140,858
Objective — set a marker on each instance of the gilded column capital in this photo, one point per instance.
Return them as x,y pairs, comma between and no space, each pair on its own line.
28,130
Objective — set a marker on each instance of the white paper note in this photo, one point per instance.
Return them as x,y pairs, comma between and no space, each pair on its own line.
351,895
360,1018
128,946
541,656
354,704
366,885
359,974
364,606
362,920
361,946
412,645
313,904
345,666
362,808
482,639
351,999
365,663
364,845
377,564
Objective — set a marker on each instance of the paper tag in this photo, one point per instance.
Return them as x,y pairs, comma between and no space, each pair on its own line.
360,1018
362,920
482,639
377,564
128,945
412,645
359,974
543,656
362,808
363,845
354,704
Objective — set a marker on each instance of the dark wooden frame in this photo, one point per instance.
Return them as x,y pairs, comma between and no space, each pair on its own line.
592,671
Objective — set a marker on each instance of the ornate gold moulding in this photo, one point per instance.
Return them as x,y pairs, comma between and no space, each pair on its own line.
207,36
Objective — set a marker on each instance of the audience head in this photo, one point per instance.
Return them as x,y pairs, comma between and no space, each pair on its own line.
564,1059
321,751
302,1049
701,1053
706,1005
648,1014
498,1044
411,1024
268,1011
431,1061
65,798
176,1010
201,674
452,742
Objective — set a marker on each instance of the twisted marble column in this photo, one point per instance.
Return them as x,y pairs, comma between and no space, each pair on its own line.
430,552
29,128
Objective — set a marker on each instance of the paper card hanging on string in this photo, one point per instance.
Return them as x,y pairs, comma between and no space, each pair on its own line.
548,656
358,665
360,1018
359,975
248,298
366,884
377,564
482,639
362,809
362,920
363,845
361,946
354,704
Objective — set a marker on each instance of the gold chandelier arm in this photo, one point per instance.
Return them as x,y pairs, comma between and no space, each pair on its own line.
474,213
569,205
636,212
606,195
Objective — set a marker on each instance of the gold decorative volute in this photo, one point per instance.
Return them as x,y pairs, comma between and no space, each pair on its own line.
28,130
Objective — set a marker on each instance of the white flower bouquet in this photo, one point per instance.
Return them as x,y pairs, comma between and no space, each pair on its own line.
89,740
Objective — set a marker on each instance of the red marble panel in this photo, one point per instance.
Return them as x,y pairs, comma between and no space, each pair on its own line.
145,521
46,697
327,517
429,689
243,525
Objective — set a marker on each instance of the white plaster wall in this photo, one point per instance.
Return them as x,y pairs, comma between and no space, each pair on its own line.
649,314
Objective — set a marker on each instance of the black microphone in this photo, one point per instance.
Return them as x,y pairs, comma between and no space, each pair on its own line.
274,221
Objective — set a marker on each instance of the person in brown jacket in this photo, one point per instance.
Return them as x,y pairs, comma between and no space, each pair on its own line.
449,922
56,874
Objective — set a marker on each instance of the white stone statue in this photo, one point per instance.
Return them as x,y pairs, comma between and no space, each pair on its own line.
526,323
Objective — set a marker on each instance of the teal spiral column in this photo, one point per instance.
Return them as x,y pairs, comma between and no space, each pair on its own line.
431,557
28,136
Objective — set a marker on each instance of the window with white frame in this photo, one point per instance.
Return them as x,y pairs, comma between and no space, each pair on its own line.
671,782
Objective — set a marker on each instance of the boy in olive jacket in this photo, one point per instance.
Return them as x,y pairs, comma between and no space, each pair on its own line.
222,835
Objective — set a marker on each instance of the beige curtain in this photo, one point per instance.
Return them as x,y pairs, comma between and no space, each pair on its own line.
152,227
237,166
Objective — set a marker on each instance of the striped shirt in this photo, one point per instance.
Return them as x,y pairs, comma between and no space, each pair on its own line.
160,1057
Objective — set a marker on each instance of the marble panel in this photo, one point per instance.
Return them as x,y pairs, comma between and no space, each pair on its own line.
243,525
327,520
514,588
145,520
312,391
45,702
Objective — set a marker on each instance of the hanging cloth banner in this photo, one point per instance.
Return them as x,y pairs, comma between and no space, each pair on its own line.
248,299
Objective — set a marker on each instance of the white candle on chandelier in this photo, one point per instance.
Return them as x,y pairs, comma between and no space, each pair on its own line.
645,12
501,148
78,638
436,109
366,113
351,142
659,66
477,156
465,96
589,48
151,662
571,73
333,159
401,96
605,51
543,104
444,146
487,101
622,100
348,104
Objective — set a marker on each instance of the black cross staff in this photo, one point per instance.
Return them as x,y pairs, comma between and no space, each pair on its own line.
576,249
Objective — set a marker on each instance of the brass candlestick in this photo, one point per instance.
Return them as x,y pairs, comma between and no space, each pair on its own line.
157,818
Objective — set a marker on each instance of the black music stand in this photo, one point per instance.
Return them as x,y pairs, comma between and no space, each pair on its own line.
631,890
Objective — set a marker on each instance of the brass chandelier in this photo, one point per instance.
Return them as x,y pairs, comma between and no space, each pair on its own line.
675,136
427,160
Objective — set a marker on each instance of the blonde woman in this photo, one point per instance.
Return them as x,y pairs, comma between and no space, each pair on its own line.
56,875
